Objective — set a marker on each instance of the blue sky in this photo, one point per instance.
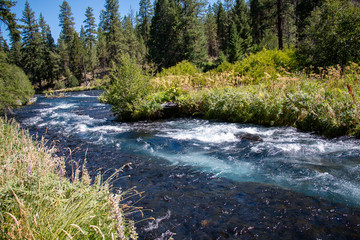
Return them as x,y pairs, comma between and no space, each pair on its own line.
50,9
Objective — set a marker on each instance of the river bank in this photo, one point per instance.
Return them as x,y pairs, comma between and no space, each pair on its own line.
39,200
261,89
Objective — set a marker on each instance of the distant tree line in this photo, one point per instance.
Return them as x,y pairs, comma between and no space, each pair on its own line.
166,32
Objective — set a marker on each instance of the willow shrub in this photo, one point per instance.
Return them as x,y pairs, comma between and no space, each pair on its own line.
37,201
126,86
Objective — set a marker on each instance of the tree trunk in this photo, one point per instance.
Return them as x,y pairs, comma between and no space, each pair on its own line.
279,24
85,73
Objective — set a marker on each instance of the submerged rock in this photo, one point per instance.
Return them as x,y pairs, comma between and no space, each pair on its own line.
170,109
250,137
32,100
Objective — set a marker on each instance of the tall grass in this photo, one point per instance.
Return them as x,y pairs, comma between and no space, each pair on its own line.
38,201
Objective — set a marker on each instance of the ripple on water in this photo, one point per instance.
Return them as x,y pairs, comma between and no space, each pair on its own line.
280,184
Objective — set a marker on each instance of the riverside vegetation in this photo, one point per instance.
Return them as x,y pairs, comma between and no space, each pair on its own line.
268,87
262,89
38,201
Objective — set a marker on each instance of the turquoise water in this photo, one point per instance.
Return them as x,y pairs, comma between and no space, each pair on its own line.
207,179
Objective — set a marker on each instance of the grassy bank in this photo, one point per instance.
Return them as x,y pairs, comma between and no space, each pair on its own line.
264,88
38,201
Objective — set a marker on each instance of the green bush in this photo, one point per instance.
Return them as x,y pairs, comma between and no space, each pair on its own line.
182,68
73,81
15,87
59,85
263,65
126,86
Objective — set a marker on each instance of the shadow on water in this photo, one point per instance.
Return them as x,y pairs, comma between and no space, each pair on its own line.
202,181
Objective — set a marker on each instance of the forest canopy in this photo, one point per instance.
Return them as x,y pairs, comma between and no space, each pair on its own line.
165,32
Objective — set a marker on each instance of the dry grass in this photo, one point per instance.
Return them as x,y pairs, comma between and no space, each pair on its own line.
39,202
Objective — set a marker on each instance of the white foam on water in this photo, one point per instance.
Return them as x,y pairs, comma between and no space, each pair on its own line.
101,129
33,121
83,95
211,133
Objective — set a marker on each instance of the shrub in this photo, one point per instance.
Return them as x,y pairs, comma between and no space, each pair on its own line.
73,81
60,84
263,65
182,68
126,85
15,86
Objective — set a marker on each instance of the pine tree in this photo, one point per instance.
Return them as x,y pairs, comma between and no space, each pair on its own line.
194,41
164,47
90,28
303,10
101,48
236,48
257,16
211,33
90,41
50,67
9,19
145,14
134,47
222,28
76,54
112,30
32,61
241,20
66,35
66,22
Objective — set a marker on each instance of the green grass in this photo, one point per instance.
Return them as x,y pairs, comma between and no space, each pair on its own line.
37,201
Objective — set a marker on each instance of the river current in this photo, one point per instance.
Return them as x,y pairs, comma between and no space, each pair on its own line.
211,180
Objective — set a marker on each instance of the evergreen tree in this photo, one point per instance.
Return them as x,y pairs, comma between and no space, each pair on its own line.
112,30
222,28
90,41
66,35
134,47
257,20
101,48
32,61
164,48
303,10
145,14
66,22
90,28
211,33
241,20
332,36
76,57
15,55
3,44
236,48
194,41
82,34
50,70
9,19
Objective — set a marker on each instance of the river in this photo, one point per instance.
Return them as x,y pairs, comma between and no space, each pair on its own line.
207,179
